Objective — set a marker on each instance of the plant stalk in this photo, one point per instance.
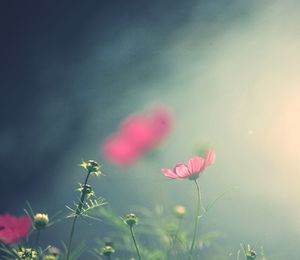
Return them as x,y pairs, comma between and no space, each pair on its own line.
37,238
78,211
197,218
135,244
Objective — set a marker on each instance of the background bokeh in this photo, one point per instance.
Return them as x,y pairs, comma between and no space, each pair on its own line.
229,70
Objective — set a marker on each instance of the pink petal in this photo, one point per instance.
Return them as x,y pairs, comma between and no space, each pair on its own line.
182,171
195,164
168,173
120,151
24,226
177,165
162,122
138,130
209,159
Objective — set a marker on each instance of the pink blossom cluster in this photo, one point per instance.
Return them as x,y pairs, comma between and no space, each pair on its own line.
138,134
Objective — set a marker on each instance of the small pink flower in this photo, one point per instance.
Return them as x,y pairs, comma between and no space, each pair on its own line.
13,229
195,166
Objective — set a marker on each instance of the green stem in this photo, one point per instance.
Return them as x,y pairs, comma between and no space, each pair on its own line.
135,244
37,238
197,218
78,211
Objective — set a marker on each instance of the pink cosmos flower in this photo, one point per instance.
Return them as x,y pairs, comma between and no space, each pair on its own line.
138,135
120,151
195,166
138,131
13,229
145,132
162,123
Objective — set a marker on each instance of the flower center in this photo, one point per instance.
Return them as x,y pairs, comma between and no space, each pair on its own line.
194,177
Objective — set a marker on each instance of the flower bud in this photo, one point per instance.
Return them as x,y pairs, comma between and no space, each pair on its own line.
27,254
40,221
179,211
54,251
251,255
92,166
131,219
86,188
108,249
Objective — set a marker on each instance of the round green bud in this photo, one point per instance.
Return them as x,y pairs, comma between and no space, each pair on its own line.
87,188
92,165
107,250
251,254
40,221
131,219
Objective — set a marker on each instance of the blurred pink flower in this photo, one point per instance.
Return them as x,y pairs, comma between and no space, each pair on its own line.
13,229
138,134
120,151
162,123
138,131
192,170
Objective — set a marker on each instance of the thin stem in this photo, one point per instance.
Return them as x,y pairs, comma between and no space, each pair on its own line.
71,237
37,238
135,244
78,211
108,257
197,218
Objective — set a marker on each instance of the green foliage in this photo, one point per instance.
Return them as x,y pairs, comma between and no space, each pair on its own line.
87,207
158,235
8,252
74,254
21,252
